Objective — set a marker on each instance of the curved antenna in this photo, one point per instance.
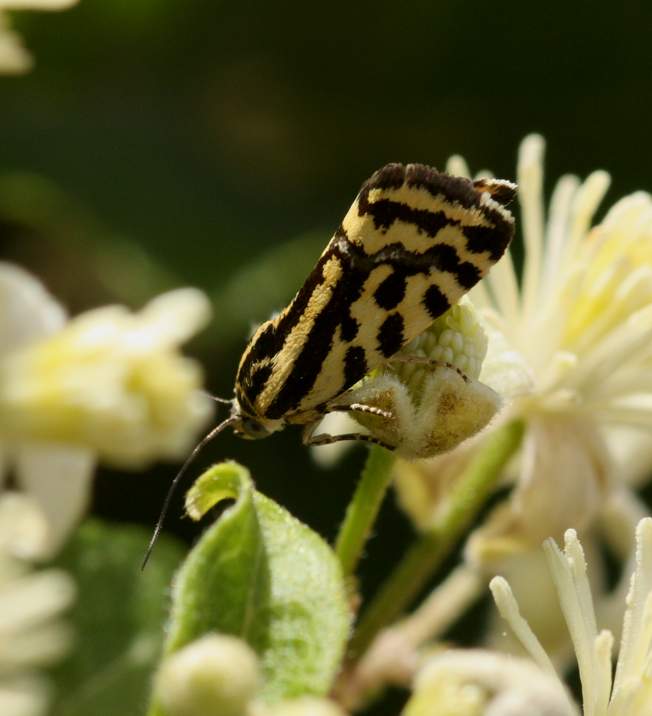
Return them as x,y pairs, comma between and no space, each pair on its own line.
168,498
217,399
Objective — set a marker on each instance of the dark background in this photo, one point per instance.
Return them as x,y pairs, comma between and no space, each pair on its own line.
161,143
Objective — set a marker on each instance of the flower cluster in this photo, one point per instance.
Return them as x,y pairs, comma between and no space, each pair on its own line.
569,351
107,385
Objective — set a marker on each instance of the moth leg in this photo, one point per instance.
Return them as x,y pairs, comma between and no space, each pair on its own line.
326,439
360,408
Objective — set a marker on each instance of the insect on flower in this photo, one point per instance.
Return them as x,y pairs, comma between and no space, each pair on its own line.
412,244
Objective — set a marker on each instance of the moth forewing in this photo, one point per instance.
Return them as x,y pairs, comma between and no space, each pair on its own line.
413,242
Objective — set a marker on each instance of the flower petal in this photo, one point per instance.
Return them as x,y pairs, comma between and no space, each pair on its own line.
59,479
27,311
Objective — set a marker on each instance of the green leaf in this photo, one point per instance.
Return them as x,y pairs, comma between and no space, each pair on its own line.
260,574
118,620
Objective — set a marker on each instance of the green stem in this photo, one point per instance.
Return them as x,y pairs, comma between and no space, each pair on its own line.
363,508
427,554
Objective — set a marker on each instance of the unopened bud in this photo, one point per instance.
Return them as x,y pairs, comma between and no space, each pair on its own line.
429,391
215,675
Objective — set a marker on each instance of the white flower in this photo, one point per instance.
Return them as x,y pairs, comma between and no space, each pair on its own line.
481,683
30,604
629,692
14,58
109,384
570,351
56,476
572,347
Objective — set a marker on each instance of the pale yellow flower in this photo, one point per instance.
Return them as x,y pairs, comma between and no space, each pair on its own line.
109,384
572,347
482,683
629,691
111,381
57,477
570,351
31,602
14,58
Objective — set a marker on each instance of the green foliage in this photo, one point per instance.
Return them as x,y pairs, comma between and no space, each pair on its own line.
261,575
118,619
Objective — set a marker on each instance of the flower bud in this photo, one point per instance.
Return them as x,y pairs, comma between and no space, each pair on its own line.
431,389
216,675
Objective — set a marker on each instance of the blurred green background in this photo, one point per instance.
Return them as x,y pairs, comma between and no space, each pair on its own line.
161,143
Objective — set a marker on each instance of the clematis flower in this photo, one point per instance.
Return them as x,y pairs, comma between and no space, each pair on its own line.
569,351
32,634
14,58
108,385
629,691
482,683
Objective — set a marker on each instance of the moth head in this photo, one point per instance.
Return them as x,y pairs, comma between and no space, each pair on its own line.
251,427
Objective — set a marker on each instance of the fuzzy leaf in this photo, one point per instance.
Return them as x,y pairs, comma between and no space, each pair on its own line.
260,574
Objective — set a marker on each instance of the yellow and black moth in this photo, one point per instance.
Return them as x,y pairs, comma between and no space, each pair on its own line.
412,244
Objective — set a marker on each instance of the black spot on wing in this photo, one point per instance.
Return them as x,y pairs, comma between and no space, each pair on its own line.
445,258
355,366
392,290
493,240
349,328
390,335
435,301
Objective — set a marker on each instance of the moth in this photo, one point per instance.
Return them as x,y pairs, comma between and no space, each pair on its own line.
413,242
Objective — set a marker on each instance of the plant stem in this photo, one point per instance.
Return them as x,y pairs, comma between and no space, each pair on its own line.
429,551
363,508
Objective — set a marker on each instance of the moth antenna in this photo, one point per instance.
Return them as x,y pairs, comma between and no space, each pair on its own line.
217,399
168,498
